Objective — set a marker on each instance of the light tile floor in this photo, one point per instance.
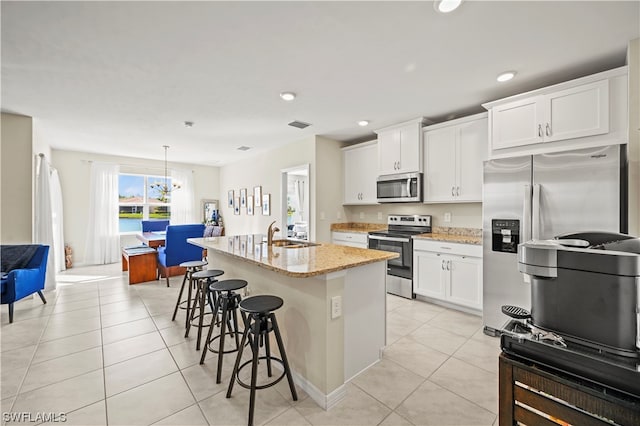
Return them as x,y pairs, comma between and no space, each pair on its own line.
104,352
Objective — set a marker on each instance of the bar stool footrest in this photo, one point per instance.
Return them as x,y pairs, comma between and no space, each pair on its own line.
266,385
228,333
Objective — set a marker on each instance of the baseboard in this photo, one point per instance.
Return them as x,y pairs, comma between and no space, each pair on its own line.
324,401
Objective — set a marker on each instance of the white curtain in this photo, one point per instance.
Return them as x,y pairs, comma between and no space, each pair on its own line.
103,233
182,200
57,216
44,219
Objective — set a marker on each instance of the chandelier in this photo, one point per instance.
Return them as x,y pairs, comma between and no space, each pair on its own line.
163,188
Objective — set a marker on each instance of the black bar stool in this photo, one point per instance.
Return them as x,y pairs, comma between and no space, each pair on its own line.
192,266
259,322
226,303
203,279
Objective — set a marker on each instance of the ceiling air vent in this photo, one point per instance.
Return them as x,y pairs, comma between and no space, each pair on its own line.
299,124
244,148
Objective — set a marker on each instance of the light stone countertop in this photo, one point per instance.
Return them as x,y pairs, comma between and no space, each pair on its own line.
449,238
358,227
294,262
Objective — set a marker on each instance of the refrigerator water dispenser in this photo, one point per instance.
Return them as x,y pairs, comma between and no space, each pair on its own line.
505,235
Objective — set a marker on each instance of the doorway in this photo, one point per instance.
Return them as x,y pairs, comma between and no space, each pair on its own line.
295,202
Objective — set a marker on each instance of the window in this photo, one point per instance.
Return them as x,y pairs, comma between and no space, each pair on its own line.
140,201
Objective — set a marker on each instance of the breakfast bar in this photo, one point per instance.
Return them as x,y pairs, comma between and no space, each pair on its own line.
333,320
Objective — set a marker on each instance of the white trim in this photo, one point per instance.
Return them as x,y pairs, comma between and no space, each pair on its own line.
335,397
456,121
359,145
420,120
324,401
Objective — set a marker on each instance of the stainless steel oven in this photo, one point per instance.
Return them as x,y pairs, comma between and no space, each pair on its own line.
400,188
398,239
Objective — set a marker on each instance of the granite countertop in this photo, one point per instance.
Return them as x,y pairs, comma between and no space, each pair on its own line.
358,227
294,262
453,235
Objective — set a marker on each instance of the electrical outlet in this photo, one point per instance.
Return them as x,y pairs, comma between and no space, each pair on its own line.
447,217
336,307
321,215
379,215
361,215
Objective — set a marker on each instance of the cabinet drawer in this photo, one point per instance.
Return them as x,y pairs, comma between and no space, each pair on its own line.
350,237
448,248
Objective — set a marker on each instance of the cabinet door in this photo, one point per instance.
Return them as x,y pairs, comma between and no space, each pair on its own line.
517,123
471,150
578,112
410,152
388,152
360,172
440,165
429,274
465,287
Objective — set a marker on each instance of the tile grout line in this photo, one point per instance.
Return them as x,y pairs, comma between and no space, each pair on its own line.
104,374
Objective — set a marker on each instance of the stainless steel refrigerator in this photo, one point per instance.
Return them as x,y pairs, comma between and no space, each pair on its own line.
539,197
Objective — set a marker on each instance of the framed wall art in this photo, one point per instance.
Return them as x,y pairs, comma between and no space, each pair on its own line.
236,206
266,204
257,196
243,197
209,211
250,205
230,199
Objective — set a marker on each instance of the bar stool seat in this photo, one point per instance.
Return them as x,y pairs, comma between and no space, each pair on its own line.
203,280
227,301
259,322
191,266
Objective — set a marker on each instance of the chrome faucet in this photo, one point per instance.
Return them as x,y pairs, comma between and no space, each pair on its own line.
270,231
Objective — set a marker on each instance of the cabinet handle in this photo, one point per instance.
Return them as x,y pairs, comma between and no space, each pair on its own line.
398,165
539,130
548,130
443,261
458,191
448,265
453,191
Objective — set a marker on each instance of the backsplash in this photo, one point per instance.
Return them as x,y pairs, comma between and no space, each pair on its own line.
463,215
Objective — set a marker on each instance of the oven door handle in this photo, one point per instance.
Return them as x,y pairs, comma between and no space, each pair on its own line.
379,237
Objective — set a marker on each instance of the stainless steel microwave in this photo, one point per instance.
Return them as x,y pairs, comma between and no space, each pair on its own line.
400,188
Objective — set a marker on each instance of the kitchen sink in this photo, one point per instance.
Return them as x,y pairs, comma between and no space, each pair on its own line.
292,244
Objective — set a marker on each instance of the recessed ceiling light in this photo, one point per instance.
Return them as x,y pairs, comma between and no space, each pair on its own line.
506,76
288,96
188,124
363,123
446,6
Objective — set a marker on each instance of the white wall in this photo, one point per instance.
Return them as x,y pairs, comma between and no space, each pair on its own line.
16,178
463,215
329,187
74,170
263,170
633,61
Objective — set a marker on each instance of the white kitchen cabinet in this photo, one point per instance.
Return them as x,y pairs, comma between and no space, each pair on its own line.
360,173
586,112
448,272
351,239
454,152
400,148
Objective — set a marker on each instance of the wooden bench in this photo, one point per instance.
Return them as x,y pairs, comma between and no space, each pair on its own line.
141,262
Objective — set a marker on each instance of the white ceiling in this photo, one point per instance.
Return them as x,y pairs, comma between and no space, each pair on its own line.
121,77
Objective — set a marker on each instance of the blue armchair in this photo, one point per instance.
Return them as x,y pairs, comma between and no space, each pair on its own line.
154,225
24,279
176,249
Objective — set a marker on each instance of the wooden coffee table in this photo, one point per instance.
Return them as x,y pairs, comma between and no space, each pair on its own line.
141,262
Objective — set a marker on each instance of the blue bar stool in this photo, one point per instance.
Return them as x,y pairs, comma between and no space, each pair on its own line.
259,321
191,266
202,279
226,304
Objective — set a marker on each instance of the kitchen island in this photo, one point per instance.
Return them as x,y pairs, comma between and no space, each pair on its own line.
334,316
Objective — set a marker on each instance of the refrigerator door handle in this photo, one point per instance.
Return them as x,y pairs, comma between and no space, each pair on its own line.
535,225
526,214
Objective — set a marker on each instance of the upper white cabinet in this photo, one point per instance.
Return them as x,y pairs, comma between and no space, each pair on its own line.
400,148
453,156
586,112
360,173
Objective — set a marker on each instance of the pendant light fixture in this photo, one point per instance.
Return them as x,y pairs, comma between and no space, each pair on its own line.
163,187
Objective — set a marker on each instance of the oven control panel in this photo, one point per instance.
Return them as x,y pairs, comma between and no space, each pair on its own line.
505,235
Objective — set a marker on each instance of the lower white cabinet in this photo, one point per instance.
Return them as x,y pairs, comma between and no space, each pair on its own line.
448,272
351,239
